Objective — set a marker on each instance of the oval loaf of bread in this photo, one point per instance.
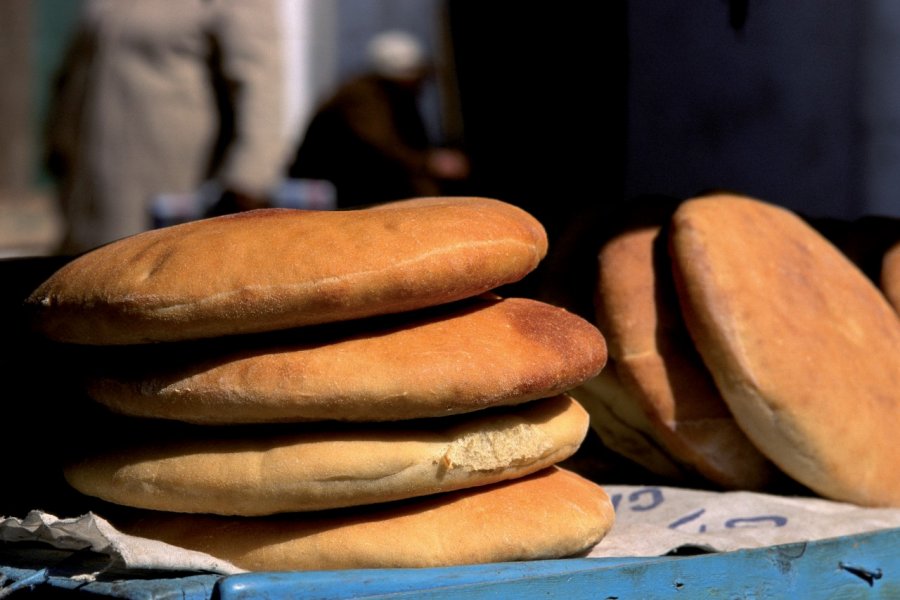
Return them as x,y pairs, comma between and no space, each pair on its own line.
553,513
230,472
456,358
274,269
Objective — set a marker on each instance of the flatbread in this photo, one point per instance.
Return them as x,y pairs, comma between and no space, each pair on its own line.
462,357
237,471
804,348
550,514
273,269
656,362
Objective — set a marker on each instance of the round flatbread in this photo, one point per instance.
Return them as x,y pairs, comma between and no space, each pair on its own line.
656,362
804,348
274,269
550,514
458,358
236,471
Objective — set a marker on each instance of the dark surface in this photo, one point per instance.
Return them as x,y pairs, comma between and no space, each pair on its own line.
44,418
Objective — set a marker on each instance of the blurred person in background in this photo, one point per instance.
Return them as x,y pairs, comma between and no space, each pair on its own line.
161,97
369,138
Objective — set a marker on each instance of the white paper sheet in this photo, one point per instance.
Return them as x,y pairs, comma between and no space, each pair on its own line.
650,521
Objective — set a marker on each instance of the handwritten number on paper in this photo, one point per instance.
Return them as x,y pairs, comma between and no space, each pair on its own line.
650,498
687,519
777,521
640,500
645,499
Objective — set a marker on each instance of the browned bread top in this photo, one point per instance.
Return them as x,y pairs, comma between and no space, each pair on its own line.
455,358
273,269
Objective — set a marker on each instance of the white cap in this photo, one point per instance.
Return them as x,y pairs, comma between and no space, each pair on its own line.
396,54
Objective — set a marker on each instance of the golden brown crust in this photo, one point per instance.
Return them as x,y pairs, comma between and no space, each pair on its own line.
463,357
658,366
551,514
804,348
890,276
274,269
228,472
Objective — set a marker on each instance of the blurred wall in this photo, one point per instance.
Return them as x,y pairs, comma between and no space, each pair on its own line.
880,91
797,103
768,103
564,104
16,48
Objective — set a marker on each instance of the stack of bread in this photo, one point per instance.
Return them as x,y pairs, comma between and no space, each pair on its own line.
746,351
301,390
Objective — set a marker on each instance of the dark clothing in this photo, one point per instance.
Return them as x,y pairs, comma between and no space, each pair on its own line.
370,141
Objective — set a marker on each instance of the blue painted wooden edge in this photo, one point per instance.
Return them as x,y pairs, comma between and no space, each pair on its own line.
860,566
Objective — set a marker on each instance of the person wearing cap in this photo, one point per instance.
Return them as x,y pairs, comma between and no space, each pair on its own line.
369,138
